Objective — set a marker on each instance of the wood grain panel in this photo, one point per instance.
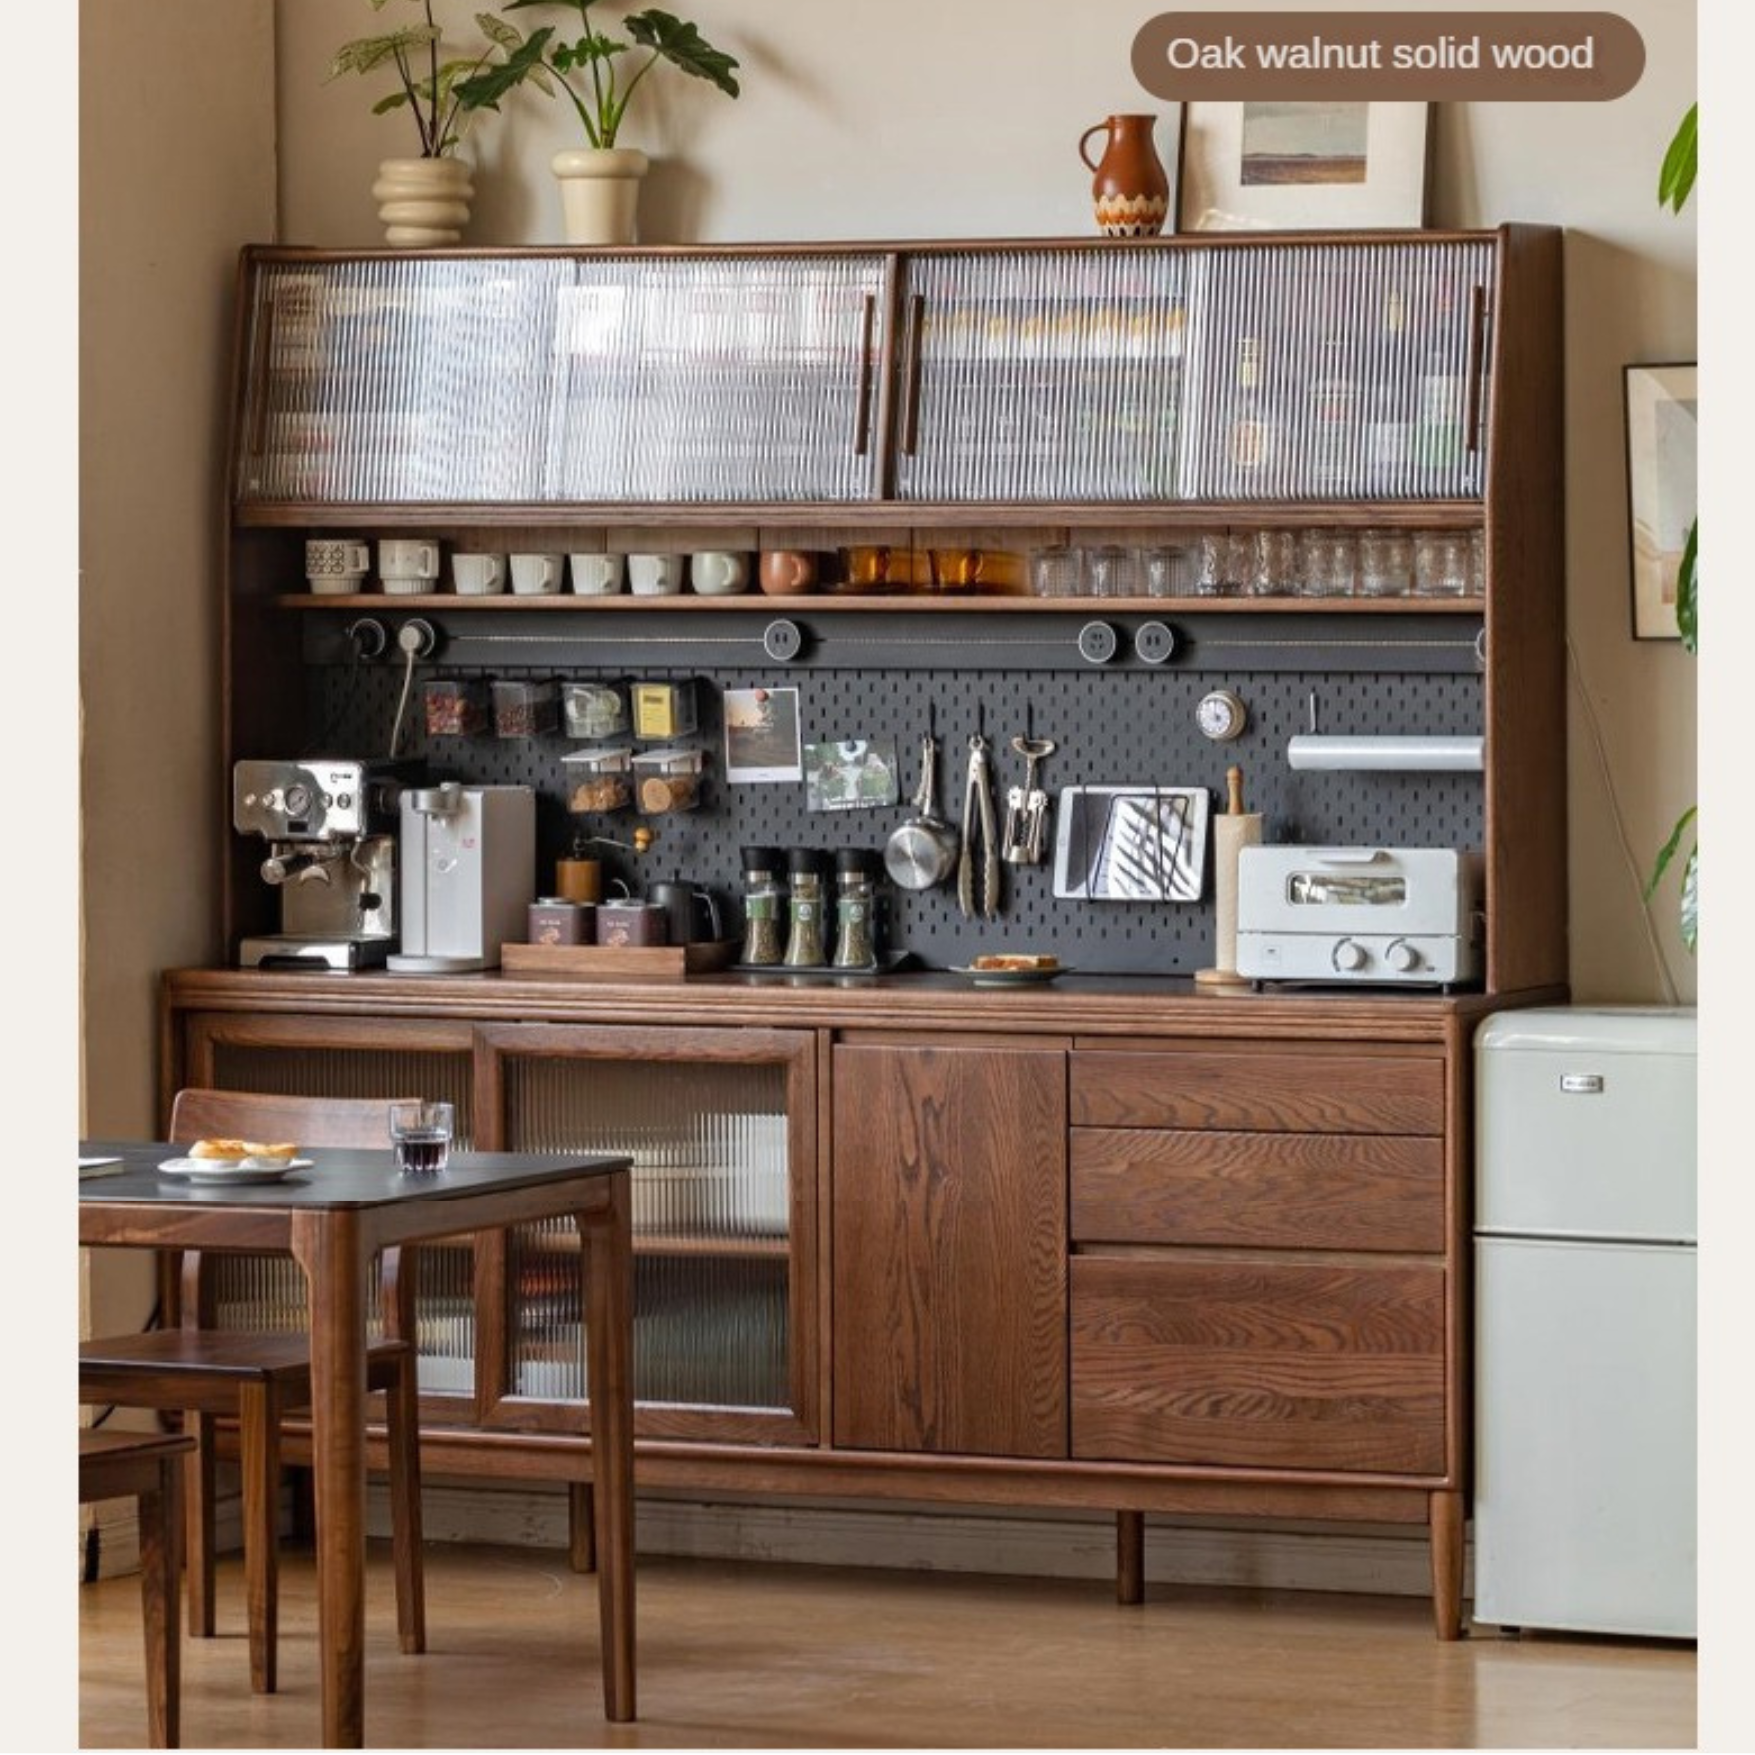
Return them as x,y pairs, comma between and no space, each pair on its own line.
1259,1364
1277,1089
1262,1190
949,1236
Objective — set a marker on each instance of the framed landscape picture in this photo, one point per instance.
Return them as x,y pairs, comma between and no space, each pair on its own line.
1661,494
1302,166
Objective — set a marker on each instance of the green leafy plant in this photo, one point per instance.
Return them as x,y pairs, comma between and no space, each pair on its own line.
439,89
589,71
1675,184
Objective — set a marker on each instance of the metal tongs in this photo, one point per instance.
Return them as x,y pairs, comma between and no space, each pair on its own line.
978,824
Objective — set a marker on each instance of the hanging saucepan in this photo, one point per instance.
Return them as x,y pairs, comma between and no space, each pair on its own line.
922,851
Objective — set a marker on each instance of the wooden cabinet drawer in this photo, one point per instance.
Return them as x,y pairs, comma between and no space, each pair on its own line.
1259,1364
1282,1090
1258,1190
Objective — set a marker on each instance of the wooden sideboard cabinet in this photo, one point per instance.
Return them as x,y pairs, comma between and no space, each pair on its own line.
1111,1245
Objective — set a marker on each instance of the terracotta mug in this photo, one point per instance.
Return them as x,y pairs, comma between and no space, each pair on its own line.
786,572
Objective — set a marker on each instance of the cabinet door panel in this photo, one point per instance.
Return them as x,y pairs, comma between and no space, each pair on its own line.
1263,1089
1259,1364
1040,376
724,378
950,1250
398,379
1258,1190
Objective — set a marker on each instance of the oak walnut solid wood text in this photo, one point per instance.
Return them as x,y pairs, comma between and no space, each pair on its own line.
1113,1244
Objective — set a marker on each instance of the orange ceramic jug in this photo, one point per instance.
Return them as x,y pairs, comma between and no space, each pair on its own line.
1130,192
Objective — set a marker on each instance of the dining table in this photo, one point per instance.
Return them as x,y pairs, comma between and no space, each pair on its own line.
333,1214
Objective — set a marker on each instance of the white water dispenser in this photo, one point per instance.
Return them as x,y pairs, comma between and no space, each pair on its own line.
468,875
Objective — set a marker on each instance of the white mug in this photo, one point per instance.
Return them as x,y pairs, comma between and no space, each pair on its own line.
655,575
407,565
478,575
334,568
596,575
536,575
718,572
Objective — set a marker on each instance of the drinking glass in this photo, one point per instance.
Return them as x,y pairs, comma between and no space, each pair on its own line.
1057,572
1273,570
1386,563
1477,563
1328,563
420,1136
1168,571
1226,564
1441,563
1111,571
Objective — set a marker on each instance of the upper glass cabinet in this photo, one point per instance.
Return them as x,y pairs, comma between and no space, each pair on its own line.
1163,372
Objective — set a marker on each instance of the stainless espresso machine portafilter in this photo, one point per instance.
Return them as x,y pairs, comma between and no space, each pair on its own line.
331,828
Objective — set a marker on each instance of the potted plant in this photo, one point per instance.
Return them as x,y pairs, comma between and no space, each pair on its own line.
599,182
424,200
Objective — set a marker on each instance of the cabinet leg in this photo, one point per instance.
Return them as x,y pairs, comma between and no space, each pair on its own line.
1445,1521
581,1536
1130,1556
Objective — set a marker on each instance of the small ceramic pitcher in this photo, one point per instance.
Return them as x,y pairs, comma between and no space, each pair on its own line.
1130,193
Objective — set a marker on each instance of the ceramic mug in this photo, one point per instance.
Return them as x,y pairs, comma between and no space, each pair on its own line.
783,572
478,575
536,575
596,575
407,565
655,575
718,572
335,568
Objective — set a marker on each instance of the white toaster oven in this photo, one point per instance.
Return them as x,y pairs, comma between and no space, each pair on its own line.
1411,916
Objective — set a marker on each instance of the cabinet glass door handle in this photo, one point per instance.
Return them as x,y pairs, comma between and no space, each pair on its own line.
1472,375
911,376
862,412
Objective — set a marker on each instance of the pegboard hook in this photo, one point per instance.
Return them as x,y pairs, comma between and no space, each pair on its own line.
1312,711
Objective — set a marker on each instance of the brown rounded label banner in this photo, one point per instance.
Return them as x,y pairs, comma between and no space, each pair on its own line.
1539,57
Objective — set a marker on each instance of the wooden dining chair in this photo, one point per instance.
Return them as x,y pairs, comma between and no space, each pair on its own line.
147,1467
210,1373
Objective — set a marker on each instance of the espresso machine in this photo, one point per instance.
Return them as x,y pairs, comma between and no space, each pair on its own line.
468,875
331,828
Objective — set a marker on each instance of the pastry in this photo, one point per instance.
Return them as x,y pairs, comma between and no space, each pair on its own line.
1015,960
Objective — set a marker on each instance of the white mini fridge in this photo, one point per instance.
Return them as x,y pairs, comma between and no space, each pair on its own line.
1584,1502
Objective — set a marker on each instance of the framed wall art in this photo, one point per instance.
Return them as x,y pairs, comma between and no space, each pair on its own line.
1661,495
1303,166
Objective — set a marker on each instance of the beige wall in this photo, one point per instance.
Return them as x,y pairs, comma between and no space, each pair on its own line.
927,119
177,170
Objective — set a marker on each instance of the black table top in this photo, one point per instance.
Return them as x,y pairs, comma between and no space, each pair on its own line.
336,1177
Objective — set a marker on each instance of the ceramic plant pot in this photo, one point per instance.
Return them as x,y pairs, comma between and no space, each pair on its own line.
600,193
1130,194
423,201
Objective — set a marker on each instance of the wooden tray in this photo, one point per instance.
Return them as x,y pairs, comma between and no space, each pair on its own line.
618,962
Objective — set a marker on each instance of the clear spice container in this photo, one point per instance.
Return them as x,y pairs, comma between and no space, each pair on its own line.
525,709
855,909
764,902
594,709
667,780
457,707
664,709
804,942
599,780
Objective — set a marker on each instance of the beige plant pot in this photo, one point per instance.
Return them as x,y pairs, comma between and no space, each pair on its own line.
423,201
600,193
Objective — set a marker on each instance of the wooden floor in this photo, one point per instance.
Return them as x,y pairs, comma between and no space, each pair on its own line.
762,1656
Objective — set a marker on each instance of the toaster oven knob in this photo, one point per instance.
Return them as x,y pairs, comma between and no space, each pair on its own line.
1402,956
1349,955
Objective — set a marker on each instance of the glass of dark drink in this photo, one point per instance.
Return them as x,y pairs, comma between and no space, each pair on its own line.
420,1136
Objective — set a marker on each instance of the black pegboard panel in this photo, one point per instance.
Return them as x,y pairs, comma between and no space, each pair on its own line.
1113,724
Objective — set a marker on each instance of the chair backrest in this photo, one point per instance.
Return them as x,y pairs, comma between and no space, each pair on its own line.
198,1113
